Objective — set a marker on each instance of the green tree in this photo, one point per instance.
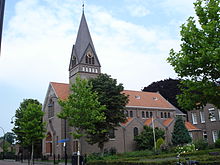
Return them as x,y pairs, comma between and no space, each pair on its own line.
9,137
198,61
146,139
29,124
110,94
82,108
180,135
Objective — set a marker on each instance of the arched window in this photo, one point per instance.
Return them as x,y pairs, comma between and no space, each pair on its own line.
51,108
151,114
165,114
168,114
143,114
161,114
131,113
135,131
147,114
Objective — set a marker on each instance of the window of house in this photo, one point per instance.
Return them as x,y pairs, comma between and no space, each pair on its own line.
87,59
202,116
135,131
147,114
126,113
73,61
131,113
50,109
83,69
111,133
137,97
90,69
205,135
212,114
93,60
165,114
143,114
161,114
168,114
151,114
214,135
194,118
96,70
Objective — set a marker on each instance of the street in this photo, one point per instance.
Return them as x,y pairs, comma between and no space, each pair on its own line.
12,162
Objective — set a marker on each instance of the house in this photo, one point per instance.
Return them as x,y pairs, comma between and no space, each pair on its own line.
143,108
207,120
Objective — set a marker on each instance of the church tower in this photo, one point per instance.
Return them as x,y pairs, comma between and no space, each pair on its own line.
84,60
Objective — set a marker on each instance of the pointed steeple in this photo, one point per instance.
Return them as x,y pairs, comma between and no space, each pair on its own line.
83,39
84,60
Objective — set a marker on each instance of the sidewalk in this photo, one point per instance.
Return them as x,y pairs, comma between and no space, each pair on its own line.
13,162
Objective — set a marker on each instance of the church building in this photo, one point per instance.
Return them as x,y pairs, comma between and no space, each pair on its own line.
143,108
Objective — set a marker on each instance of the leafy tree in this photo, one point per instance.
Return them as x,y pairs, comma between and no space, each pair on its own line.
9,137
180,135
30,125
198,61
145,139
110,94
82,108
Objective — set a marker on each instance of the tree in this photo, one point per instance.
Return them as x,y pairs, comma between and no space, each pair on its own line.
110,94
9,137
30,125
145,139
180,135
82,108
198,61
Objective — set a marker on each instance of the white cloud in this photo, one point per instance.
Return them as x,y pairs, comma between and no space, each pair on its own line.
138,10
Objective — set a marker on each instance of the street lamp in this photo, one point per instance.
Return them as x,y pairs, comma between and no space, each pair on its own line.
3,155
12,119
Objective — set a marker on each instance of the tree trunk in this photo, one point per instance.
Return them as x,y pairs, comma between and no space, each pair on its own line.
32,153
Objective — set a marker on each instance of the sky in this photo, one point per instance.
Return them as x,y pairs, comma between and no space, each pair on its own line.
132,39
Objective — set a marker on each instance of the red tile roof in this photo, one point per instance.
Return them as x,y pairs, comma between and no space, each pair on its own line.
61,90
191,127
167,122
148,122
147,99
127,121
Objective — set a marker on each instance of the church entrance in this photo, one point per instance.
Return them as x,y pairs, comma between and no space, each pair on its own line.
49,144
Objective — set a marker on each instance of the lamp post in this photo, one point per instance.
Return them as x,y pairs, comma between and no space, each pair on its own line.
3,155
12,122
65,143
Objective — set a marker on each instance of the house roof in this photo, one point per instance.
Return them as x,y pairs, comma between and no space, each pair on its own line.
61,90
147,99
190,126
148,122
167,122
127,121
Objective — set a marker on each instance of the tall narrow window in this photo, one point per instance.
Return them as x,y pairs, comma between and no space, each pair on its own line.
135,131
93,60
165,114
205,136
126,113
131,113
212,114
87,59
202,117
214,135
151,114
194,118
168,114
161,114
190,134
147,114
112,134
143,114
50,109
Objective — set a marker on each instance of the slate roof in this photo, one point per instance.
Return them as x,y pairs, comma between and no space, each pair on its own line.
83,39
61,90
147,100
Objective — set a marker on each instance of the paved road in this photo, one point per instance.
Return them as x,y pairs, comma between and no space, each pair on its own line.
12,162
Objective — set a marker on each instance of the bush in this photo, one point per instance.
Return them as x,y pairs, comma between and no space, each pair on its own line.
217,143
201,144
185,148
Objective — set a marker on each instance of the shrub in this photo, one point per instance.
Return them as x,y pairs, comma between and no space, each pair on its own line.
185,148
201,144
217,143
159,143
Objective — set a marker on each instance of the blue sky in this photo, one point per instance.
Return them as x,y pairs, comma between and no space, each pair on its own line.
132,39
